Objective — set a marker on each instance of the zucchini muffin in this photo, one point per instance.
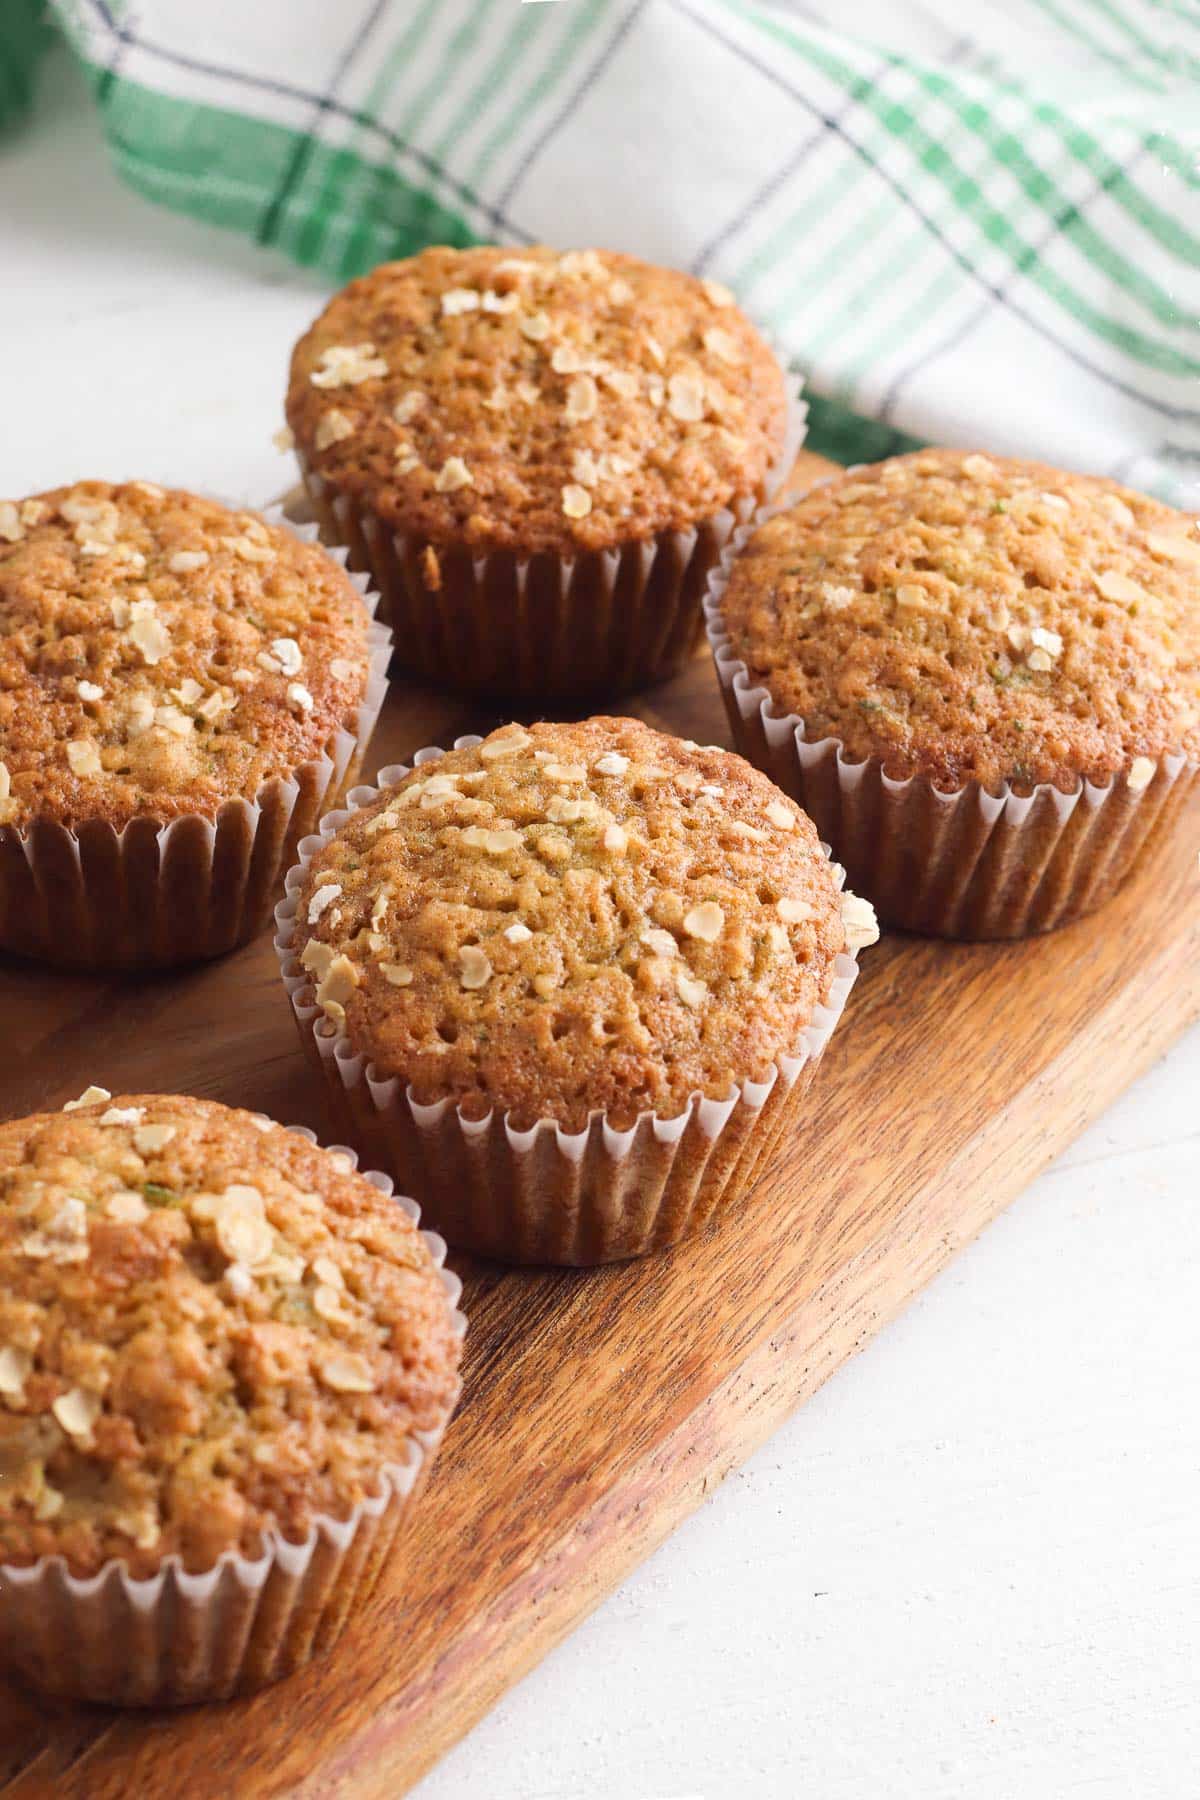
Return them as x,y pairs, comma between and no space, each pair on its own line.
538,456
220,1347
572,974
182,688
980,676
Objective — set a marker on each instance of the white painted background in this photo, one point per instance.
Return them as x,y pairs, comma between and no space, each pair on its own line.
971,1565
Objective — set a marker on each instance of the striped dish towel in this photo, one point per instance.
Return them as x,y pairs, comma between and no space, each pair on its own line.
972,221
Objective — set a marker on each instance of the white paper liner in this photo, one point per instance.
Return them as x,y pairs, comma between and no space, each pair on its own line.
545,1195
966,863
599,622
177,1638
153,895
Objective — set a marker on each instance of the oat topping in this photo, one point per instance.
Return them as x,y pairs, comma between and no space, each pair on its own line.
582,400
333,427
148,633
560,919
208,1328
454,474
165,683
706,921
15,1369
1115,585
346,365
976,617
490,389
456,301
476,970
717,293
83,758
149,1138
723,345
1174,549
89,1097
344,1372
77,1411
858,917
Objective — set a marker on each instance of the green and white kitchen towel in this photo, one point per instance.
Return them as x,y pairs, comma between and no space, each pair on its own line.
973,221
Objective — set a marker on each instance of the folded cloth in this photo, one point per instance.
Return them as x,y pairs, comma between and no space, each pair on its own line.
966,221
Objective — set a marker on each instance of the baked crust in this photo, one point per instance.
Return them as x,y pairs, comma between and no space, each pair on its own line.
970,617
572,918
209,1328
161,655
531,401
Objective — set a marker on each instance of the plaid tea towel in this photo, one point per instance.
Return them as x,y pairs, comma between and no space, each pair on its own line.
972,221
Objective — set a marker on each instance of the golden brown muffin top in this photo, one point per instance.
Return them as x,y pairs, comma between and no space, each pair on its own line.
969,616
528,400
576,917
160,654
209,1328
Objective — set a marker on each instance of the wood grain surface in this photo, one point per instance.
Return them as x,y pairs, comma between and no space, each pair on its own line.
600,1407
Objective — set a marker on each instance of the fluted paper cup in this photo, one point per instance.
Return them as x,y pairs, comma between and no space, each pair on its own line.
970,862
153,895
545,1195
179,1637
596,623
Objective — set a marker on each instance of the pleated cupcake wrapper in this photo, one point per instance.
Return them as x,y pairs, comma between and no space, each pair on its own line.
176,1638
962,864
598,622
545,1195
153,895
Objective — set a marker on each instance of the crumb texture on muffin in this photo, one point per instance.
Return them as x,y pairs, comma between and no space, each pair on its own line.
161,655
967,616
527,400
209,1328
574,917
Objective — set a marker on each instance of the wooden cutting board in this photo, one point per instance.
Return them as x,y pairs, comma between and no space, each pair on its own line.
601,1407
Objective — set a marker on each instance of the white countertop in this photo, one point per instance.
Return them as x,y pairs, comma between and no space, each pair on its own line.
971,1564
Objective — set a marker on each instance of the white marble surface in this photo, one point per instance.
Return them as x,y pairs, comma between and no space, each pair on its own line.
971,1565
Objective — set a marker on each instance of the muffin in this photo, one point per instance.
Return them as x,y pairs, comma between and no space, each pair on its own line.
226,1361
538,457
182,689
575,978
980,676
